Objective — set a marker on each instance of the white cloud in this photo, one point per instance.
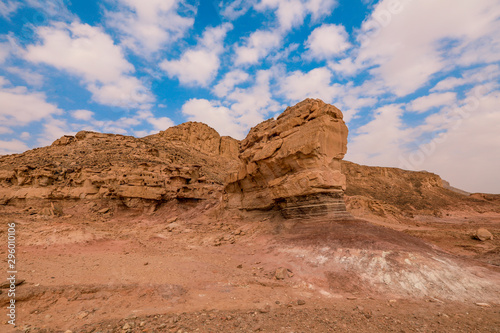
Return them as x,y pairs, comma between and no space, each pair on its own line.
160,124
251,105
473,145
257,46
82,114
8,7
12,147
236,8
379,141
200,64
3,81
463,151
148,26
291,13
230,80
25,135
314,84
5,130
53,129
127,125
216,116
51,9
345,67
4,52
406,57
327,41
428,102
19,107
28,76
242,108
484,74
91,54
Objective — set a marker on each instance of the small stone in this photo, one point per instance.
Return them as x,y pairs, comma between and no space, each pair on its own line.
68,331
483,234
126,327
142,324
104,210
282,273
352,298
484,305
239,266
301,302
146,263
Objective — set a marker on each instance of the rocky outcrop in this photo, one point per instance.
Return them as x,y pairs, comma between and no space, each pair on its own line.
293,162
89,165
202,137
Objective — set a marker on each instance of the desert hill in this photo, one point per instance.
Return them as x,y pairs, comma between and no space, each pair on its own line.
187,231
192,161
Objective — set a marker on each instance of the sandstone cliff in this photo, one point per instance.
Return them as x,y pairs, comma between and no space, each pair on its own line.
91,165
293,162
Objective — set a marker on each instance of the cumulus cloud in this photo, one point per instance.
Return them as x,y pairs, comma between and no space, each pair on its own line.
230,80
314,84
200,64
82,114
90,53
406,57
456,142
291,13
428,102
257,46
216,116
13,146
327,41
243,107
379,141
126,125
345,67
471,76
27,76
18,106
148,26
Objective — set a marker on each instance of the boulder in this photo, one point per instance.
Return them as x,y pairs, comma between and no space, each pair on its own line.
483,234
293,162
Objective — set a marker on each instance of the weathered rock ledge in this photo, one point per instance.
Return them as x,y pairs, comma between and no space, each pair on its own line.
291,163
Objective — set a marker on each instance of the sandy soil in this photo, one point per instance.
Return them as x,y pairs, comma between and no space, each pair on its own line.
188,269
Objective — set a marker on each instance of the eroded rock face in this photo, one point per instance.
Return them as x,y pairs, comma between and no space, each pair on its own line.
293,162
202,137
187,163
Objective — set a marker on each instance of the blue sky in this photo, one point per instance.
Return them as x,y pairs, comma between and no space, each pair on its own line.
417,81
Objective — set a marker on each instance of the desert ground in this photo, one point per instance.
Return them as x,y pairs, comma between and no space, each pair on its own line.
105,268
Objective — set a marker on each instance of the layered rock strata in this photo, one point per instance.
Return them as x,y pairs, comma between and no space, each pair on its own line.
180,163
293,162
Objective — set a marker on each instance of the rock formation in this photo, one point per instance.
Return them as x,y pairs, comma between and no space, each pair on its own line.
184,162
293,162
